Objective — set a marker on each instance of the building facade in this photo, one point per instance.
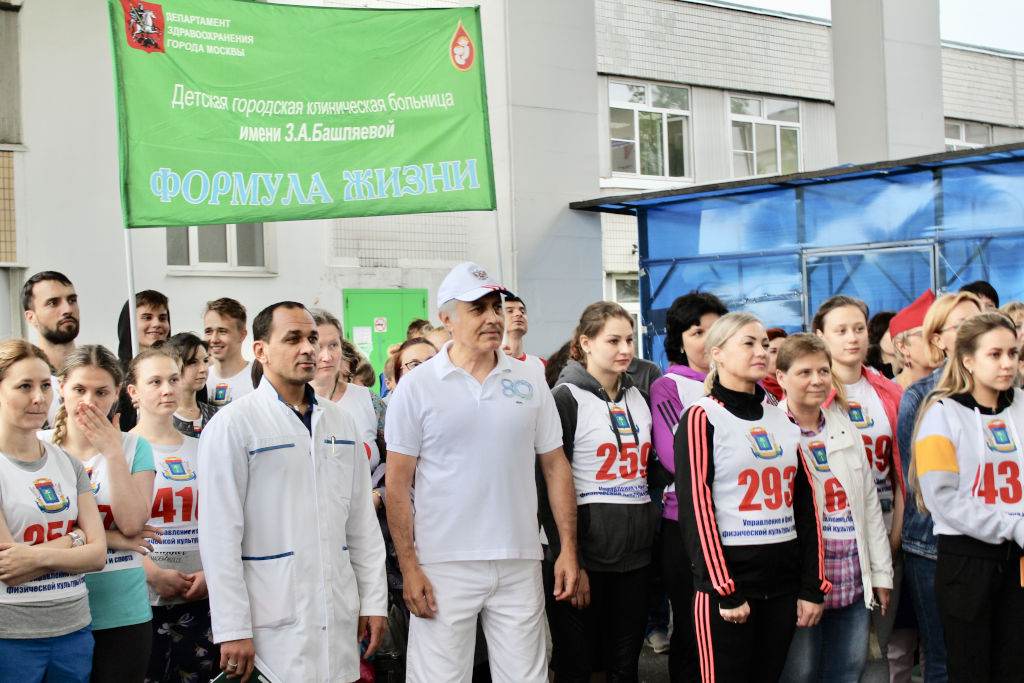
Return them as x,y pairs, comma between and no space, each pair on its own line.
586,97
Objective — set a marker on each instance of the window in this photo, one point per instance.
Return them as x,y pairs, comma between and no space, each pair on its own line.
649,128
231,246
967,135
626,292
765,136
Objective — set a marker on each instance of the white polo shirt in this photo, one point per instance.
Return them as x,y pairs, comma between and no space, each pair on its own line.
476,444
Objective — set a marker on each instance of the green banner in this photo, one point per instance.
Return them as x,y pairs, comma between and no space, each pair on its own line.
236,112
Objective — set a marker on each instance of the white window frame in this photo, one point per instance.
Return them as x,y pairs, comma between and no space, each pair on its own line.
638,107
953,144
764,120
632,307
229,267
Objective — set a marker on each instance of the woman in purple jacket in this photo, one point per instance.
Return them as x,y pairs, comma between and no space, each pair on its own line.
686,325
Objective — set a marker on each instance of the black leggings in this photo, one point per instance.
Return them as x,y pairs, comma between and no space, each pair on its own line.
606,636
683,665
751,652
121,654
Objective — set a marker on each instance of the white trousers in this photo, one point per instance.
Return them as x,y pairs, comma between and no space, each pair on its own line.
509,597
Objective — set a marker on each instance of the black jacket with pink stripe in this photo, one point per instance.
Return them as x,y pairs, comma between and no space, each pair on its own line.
743,571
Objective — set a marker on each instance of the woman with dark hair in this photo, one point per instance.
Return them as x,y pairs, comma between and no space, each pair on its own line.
881,354
686,324
194,353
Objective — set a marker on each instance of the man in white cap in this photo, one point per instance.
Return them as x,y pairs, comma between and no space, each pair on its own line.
472,425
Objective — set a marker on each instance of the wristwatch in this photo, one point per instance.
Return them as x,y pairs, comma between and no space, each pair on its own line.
76,539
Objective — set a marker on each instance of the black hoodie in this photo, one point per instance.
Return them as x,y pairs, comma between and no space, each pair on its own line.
611,537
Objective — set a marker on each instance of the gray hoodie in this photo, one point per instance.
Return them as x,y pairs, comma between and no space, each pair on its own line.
611,537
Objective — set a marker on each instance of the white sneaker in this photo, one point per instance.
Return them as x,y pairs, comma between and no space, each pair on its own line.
658,641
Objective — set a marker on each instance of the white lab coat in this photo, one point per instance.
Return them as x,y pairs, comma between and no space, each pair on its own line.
289,539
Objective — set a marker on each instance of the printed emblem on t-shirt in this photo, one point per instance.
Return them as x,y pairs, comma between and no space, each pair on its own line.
517,389
95,482
49,497
620,421
220,394
998,437
763,444
819,455
859,417
176,469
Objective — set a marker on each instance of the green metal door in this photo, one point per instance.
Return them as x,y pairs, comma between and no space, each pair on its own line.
374,319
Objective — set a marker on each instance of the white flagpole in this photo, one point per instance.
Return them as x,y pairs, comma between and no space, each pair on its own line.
131,290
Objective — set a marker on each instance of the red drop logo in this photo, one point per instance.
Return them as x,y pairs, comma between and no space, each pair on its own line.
462,50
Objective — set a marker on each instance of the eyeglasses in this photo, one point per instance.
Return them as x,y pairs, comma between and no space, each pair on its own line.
951,327
412,364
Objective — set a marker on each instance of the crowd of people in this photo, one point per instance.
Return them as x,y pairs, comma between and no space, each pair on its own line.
756,511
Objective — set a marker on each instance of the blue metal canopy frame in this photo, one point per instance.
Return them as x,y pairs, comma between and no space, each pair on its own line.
883,232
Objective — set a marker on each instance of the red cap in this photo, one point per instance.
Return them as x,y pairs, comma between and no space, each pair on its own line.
913,315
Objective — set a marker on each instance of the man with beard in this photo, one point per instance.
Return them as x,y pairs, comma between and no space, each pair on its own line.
292,553
51,306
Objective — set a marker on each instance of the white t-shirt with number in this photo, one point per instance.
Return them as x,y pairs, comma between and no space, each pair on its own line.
40,504
601,470
175,511
867,413
222,391
755,475
837,515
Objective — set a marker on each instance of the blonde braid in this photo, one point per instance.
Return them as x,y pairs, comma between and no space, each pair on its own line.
60,425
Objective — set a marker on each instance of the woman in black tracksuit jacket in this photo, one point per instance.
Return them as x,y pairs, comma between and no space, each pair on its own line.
606,434
747,513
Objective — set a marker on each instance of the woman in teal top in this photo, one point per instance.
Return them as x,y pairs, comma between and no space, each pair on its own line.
121,471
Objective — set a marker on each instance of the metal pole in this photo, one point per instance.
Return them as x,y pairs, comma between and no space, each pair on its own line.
131,290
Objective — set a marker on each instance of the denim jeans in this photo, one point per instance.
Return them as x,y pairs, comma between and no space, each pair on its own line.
834,651
63,659
919,581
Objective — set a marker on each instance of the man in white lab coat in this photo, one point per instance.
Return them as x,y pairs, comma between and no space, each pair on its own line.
292,551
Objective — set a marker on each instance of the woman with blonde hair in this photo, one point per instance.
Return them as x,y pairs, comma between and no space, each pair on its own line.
335,366
121,470
941,323
967,466
857,558
50,533
748,516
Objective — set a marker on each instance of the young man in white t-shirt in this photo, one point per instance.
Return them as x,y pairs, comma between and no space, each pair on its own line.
516,327
470,424
224,330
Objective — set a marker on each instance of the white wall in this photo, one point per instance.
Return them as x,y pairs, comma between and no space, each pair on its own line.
69,213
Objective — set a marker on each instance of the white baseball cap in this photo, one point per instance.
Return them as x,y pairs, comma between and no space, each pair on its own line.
467,282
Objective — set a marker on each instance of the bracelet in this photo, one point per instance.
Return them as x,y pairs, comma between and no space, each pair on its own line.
377,493
76,539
